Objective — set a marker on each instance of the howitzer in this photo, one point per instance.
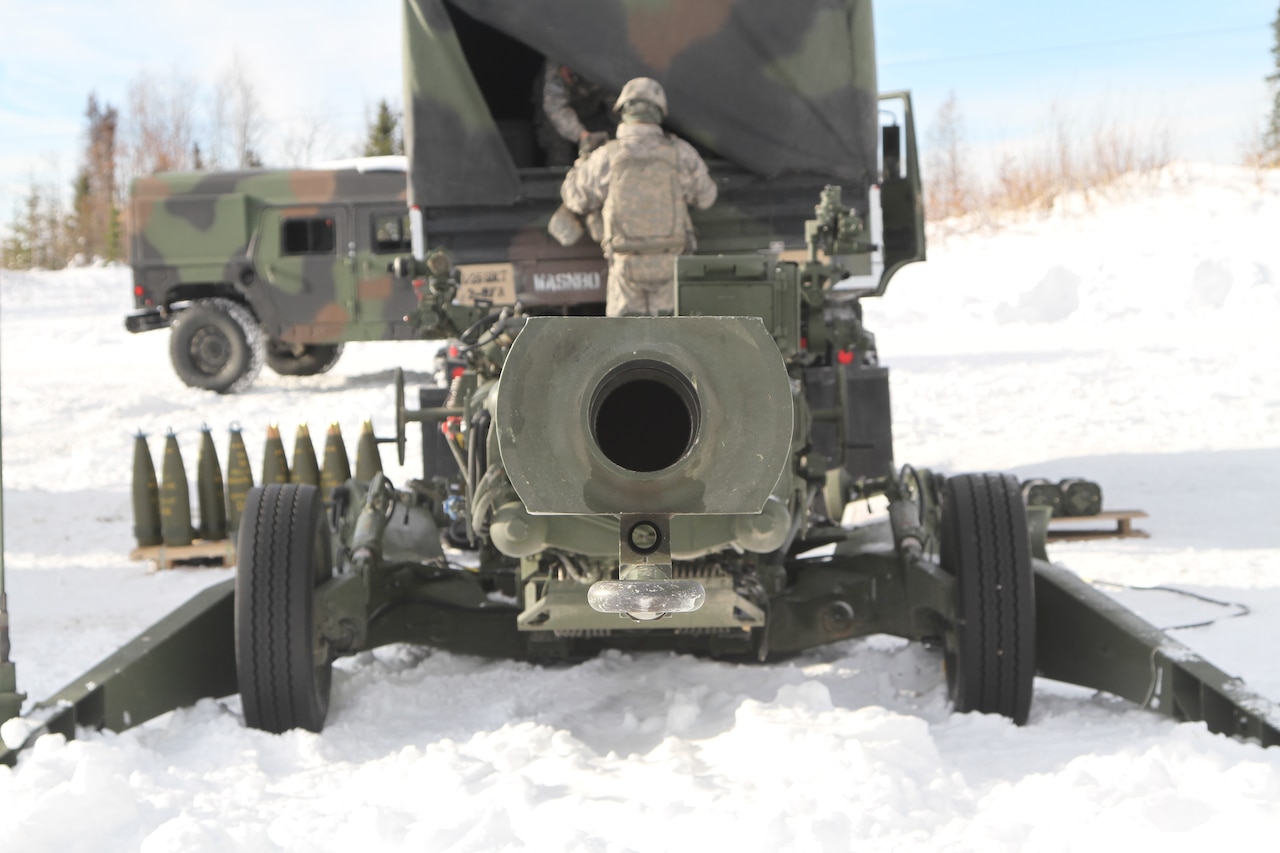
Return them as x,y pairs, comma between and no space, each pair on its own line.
680,483
654,483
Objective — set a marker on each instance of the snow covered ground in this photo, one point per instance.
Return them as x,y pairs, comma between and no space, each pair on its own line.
1132,341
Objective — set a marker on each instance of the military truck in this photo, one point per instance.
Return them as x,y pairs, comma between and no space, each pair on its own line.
281,266
286,266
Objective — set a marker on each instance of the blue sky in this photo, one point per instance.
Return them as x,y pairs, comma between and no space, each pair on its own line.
1197,67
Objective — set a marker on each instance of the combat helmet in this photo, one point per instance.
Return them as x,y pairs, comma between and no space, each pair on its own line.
642,89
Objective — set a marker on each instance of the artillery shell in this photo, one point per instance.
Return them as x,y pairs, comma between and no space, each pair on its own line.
209,492
337,467
239,480
305,467
368,459
146,496
275,467
175,497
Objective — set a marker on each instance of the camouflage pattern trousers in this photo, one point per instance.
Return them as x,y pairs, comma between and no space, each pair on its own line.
641,284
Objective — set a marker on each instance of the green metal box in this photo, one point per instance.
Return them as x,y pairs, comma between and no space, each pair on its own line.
756,285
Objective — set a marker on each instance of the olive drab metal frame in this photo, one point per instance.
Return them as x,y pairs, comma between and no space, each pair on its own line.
1086,638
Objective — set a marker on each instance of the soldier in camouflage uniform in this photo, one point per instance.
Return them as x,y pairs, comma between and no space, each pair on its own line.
572,114
642,184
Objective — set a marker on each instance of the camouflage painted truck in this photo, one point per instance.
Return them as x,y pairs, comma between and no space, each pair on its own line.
670,483
283,267
274,266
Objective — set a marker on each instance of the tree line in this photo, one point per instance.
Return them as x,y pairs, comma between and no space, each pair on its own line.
161,129
158,133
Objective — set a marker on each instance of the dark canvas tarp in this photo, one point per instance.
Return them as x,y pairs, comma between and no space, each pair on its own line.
772,85
456,155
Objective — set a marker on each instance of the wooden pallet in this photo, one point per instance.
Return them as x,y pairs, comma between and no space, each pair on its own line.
214,553
1121,529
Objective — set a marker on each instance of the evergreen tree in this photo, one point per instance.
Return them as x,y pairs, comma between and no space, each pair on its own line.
1271,137
39,236
44,234
18,247
384,133
96,201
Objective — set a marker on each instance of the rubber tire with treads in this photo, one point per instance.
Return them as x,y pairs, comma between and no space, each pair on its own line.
314,359
990,659
283,555
216,344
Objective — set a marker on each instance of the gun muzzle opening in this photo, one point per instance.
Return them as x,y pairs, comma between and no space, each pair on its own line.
645,416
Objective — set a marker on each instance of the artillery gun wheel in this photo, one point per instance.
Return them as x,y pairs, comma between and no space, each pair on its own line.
312,359
284,554
217,345
990,651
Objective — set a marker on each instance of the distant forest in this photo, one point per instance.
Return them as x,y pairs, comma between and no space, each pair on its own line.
157,132
161,129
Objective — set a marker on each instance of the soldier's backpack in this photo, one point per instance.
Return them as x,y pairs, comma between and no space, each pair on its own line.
644,210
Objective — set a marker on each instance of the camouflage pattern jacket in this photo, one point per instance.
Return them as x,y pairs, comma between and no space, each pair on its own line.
586,186
566,106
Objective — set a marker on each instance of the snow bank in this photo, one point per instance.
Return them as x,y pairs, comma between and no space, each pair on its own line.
1132,343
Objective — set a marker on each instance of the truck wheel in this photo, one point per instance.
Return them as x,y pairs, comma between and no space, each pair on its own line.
990,651
305,360
283,669
217,345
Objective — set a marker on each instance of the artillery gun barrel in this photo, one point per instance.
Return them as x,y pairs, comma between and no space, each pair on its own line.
659,421
664,415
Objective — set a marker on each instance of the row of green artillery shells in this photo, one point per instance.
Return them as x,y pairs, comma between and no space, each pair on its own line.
162,509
